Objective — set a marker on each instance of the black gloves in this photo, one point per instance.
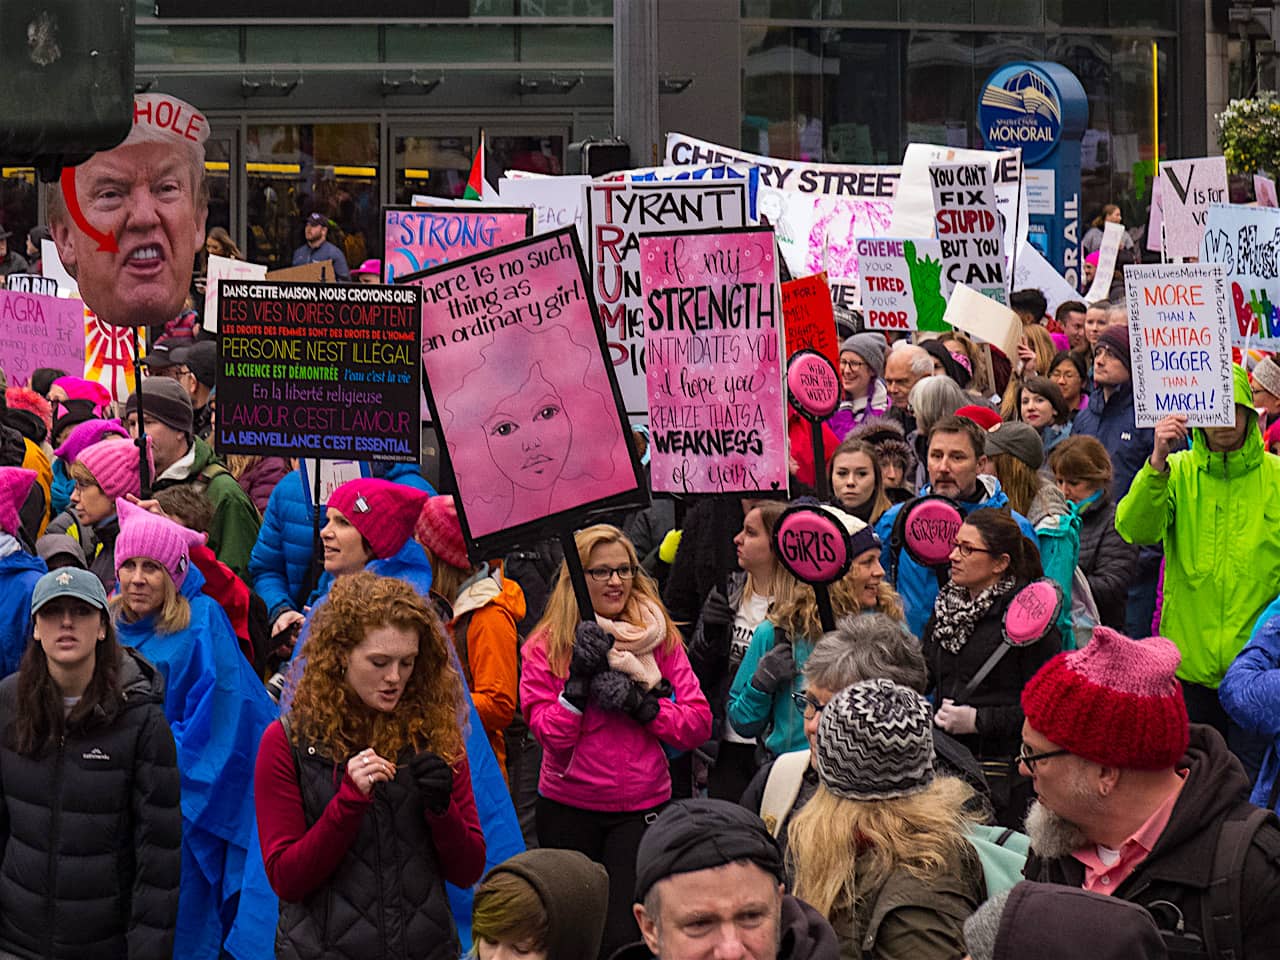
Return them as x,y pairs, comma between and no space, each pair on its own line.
591,647
717,611
774,669
614,690
434,778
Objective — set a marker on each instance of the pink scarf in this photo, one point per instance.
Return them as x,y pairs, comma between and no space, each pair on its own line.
637,639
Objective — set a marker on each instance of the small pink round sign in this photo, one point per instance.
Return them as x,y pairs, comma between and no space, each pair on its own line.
929,528
1031,612
812,545
813,385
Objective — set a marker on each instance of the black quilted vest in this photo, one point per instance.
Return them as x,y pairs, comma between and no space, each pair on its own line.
387,897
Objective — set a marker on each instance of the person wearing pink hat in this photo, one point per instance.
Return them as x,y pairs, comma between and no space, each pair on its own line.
482,610
368,272
19,569
218,709
72,436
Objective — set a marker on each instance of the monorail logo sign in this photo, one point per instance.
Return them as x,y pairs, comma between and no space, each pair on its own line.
1019,107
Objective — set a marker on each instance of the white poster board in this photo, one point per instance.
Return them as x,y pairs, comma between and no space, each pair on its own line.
901,283
225,268
1246,241
1112,236
1187,189
1033,271
556,201
968,228
986,319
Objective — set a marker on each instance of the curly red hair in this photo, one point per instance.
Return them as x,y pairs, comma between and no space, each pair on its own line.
327,713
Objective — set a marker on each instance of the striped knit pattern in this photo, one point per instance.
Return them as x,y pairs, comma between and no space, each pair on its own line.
875,742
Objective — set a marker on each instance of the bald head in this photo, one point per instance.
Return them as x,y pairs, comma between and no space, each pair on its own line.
907,365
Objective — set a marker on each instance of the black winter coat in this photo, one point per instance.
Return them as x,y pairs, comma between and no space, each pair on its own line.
1174,878
1107,560
92,833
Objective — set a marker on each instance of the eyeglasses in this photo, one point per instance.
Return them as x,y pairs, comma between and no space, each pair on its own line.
1029,759
852,365
967,550
605,574
806,704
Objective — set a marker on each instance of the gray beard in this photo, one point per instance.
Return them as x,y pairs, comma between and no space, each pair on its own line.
1052,836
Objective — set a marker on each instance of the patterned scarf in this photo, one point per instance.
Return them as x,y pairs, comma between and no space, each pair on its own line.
955,612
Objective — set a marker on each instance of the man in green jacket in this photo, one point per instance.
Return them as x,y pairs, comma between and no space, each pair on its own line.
182,457
1216,509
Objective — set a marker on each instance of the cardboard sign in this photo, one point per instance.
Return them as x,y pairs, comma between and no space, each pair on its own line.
333,474
986,319
225,268
522,392
1180,339
816,209
901,284
969,229
419,238
619,213
1264,191
1189,186
31,283
39,331
1033,271
812,545
809,320
1246,241
1112,236
329,371
713,342
556,201
318,271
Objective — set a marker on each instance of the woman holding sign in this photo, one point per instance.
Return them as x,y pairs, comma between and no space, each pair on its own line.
990,562
605,699
763,691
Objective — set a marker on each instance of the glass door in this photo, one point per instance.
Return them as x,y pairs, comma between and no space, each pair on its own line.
430,162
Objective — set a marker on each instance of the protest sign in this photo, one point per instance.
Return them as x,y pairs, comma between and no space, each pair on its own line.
1189,186
51,266
968,229
901,284
31,283
109,354
809,320
332,474
618,214
225,268
418,238
714,171
317,271
1246,241
1033,271
1155,220
1180,341
325,370
986,319
520,387
1264,191
39,331
556,201
816,209
713,343
1100,288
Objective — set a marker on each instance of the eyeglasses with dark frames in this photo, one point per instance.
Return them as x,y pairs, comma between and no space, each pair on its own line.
805,702
1029,759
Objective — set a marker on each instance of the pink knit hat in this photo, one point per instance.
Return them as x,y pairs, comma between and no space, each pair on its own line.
383,512
439,531
86,434
144,534
114,464
15,484
1115,701
78,388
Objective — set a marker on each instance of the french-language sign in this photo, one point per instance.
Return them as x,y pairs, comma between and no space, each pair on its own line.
39,331
1246,241
225,268
1188,187
520,386
809,318
418,238
713,339
969,229
901,284
1180,340
816,209
619,213
327,371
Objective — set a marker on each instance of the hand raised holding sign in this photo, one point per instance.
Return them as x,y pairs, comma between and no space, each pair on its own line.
1171,431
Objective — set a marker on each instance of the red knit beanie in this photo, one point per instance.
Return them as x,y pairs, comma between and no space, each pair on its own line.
1116,702
384,512
984,417
439,531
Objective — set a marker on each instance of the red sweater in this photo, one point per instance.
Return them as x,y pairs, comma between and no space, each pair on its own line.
299,859
222,585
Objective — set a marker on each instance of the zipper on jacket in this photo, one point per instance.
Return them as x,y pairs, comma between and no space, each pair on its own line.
55,822
377,853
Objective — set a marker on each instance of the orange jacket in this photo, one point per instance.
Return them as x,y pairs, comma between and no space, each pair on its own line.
34,459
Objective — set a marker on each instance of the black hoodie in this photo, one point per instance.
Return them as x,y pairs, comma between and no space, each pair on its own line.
575,895
1050,922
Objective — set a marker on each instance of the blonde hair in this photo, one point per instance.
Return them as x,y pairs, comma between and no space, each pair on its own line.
556,628
842,852
770,511
1041,341
239,463
174,615
795,606
1018,481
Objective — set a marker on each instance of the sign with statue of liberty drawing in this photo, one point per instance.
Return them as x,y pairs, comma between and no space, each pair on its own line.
901,283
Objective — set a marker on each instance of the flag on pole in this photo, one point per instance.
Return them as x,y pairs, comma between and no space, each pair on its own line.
475,182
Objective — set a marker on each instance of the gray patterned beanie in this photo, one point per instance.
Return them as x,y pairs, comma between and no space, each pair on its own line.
875,742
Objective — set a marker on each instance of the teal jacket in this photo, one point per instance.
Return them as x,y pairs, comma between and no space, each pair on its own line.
753,712
1219,517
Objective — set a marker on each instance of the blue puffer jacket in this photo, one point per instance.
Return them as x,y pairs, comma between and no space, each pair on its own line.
1250,693
917,585
19,572
60,488
282,555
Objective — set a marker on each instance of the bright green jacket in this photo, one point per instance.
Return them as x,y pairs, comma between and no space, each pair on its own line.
1219,517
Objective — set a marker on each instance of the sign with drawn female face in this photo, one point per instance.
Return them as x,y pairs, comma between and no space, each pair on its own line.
519,384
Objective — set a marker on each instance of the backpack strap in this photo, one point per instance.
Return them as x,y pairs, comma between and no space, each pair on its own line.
782,788
206,476
460,626
1223,920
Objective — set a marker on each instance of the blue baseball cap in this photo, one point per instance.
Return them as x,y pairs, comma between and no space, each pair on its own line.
69,582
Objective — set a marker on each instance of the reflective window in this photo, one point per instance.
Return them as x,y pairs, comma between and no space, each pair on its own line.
531,153
19,206
431,165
